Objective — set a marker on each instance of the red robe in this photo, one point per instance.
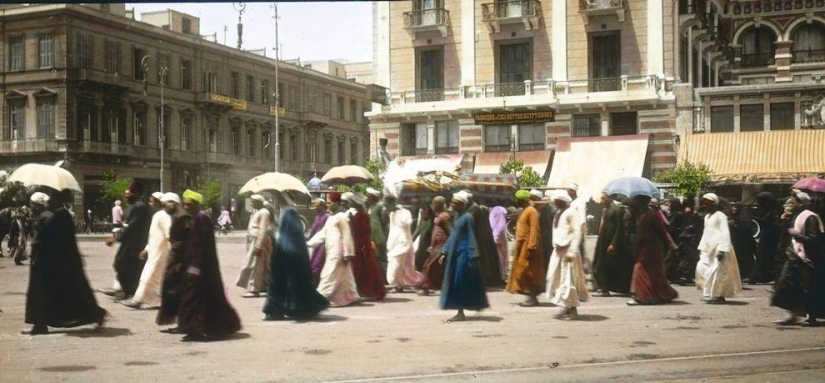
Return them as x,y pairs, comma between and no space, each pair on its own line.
365,267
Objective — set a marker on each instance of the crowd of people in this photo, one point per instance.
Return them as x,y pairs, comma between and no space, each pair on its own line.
363,245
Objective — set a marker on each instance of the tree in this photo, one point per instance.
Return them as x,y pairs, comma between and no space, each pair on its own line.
688,177
211,191
526,176
11,193
113,187
377,182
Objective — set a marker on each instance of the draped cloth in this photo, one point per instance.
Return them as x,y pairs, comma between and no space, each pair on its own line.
291,289
337,282
365,267
498,224
717,278
566,283
59,294
487,250
132,238
613,271
254,275
800,287
175,272
649,284
401,258
433,272
157,254
463,285
319,254
204,309
528,273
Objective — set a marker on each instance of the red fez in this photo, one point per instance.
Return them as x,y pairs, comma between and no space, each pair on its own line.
335,196
135,188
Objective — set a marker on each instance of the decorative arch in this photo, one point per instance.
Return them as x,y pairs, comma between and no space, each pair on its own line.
794,25
737,37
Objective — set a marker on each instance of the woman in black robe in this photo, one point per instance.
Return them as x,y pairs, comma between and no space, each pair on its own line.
175,272
767,215
59,294
741,235
292,292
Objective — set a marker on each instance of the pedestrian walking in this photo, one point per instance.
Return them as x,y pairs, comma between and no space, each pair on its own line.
365,267
566,283
156,254
612,261
337,283
528,273
132,238
254,274
649,284
319,253
401,272
717,273
175,272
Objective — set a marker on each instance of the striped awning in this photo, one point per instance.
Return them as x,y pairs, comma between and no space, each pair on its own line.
757,157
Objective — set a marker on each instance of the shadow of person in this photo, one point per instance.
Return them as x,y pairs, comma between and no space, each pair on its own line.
104,332
736,303
484,318
678,303
592,318
395,300
322,318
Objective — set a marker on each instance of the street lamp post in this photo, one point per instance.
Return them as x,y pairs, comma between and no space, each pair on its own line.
277,98
240,7
144,63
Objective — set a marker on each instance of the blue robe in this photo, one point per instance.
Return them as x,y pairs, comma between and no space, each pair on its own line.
463,285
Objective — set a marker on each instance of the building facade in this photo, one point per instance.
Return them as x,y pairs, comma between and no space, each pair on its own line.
94,88
751,102
528,77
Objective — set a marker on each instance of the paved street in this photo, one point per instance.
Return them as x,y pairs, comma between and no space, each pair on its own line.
403,339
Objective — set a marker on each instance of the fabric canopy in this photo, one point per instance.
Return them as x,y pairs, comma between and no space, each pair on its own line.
592,162
770,156
490,163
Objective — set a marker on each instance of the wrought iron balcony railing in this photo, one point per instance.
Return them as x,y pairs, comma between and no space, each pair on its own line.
446,150
750,7
513,11
531,147
427,20
497,148
757,59
507,89
808,56
429,95
604,84
600,5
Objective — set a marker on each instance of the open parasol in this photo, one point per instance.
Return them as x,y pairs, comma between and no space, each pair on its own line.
813,184
45,175
274,181
347,175
633,186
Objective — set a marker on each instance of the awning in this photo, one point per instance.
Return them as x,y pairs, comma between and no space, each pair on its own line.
592,162
490,163
772,156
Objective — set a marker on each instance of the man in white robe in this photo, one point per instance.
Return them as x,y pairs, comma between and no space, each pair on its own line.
717,273
254,275
156,254
401,271
566,283
337,282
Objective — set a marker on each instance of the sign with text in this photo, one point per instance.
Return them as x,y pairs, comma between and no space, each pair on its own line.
513,117
275,111
234,102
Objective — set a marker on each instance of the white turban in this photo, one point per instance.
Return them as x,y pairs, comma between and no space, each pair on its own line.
373,192
711,197
536,193
40,198
803,197
170,197
390,192
157,195
319,202
347,196
356,198
574,186
117,202
258,197
561,195
462,196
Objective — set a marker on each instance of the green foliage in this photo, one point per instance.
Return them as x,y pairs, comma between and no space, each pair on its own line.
526,176
13,194
374,167
113,187
211,191
689,178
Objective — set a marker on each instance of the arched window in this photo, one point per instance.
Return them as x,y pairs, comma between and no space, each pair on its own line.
809,44
757,47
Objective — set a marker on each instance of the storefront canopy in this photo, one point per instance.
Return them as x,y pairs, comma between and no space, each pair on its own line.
757,157
592,162
490,163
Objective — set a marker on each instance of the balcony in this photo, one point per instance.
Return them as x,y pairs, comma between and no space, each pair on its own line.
808,56
505,89
590,8
757,59
423,20
30,145
751,8
511,12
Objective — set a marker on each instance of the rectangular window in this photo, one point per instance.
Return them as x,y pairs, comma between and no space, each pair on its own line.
430,75
265,92
310,95
163,69
17,53
605,59
752,118
235,86
186,74
354,154
531,137
339,107
17,120
782,116
281,149
328,150
112,56
294,145
139,128
250,88
84,51
446,137
280,100
327,104
234,140
45,117
46,50
721,119
586,125
497,138
167,125
212,82
186,25
138,56
341,153
623,124
353,110
213,141
250,142
513,69
293,97
265,144
185,128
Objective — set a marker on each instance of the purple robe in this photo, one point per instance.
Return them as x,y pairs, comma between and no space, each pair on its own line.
319,255
204,309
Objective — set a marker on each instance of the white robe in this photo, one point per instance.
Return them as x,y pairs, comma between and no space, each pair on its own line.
336,282
157,255
400,253
717,278
254,275
566,283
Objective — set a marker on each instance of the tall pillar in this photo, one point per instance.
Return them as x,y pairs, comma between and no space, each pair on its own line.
468,43
559,42
655,37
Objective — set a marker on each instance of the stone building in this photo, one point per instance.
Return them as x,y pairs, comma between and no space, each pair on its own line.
88,85
549,82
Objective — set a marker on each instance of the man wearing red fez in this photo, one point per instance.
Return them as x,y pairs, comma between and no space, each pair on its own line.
133,237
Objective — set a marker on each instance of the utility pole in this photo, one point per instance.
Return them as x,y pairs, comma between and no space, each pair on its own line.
163,72
277,98
240,7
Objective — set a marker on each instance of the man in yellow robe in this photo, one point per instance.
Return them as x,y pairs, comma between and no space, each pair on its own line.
528,273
